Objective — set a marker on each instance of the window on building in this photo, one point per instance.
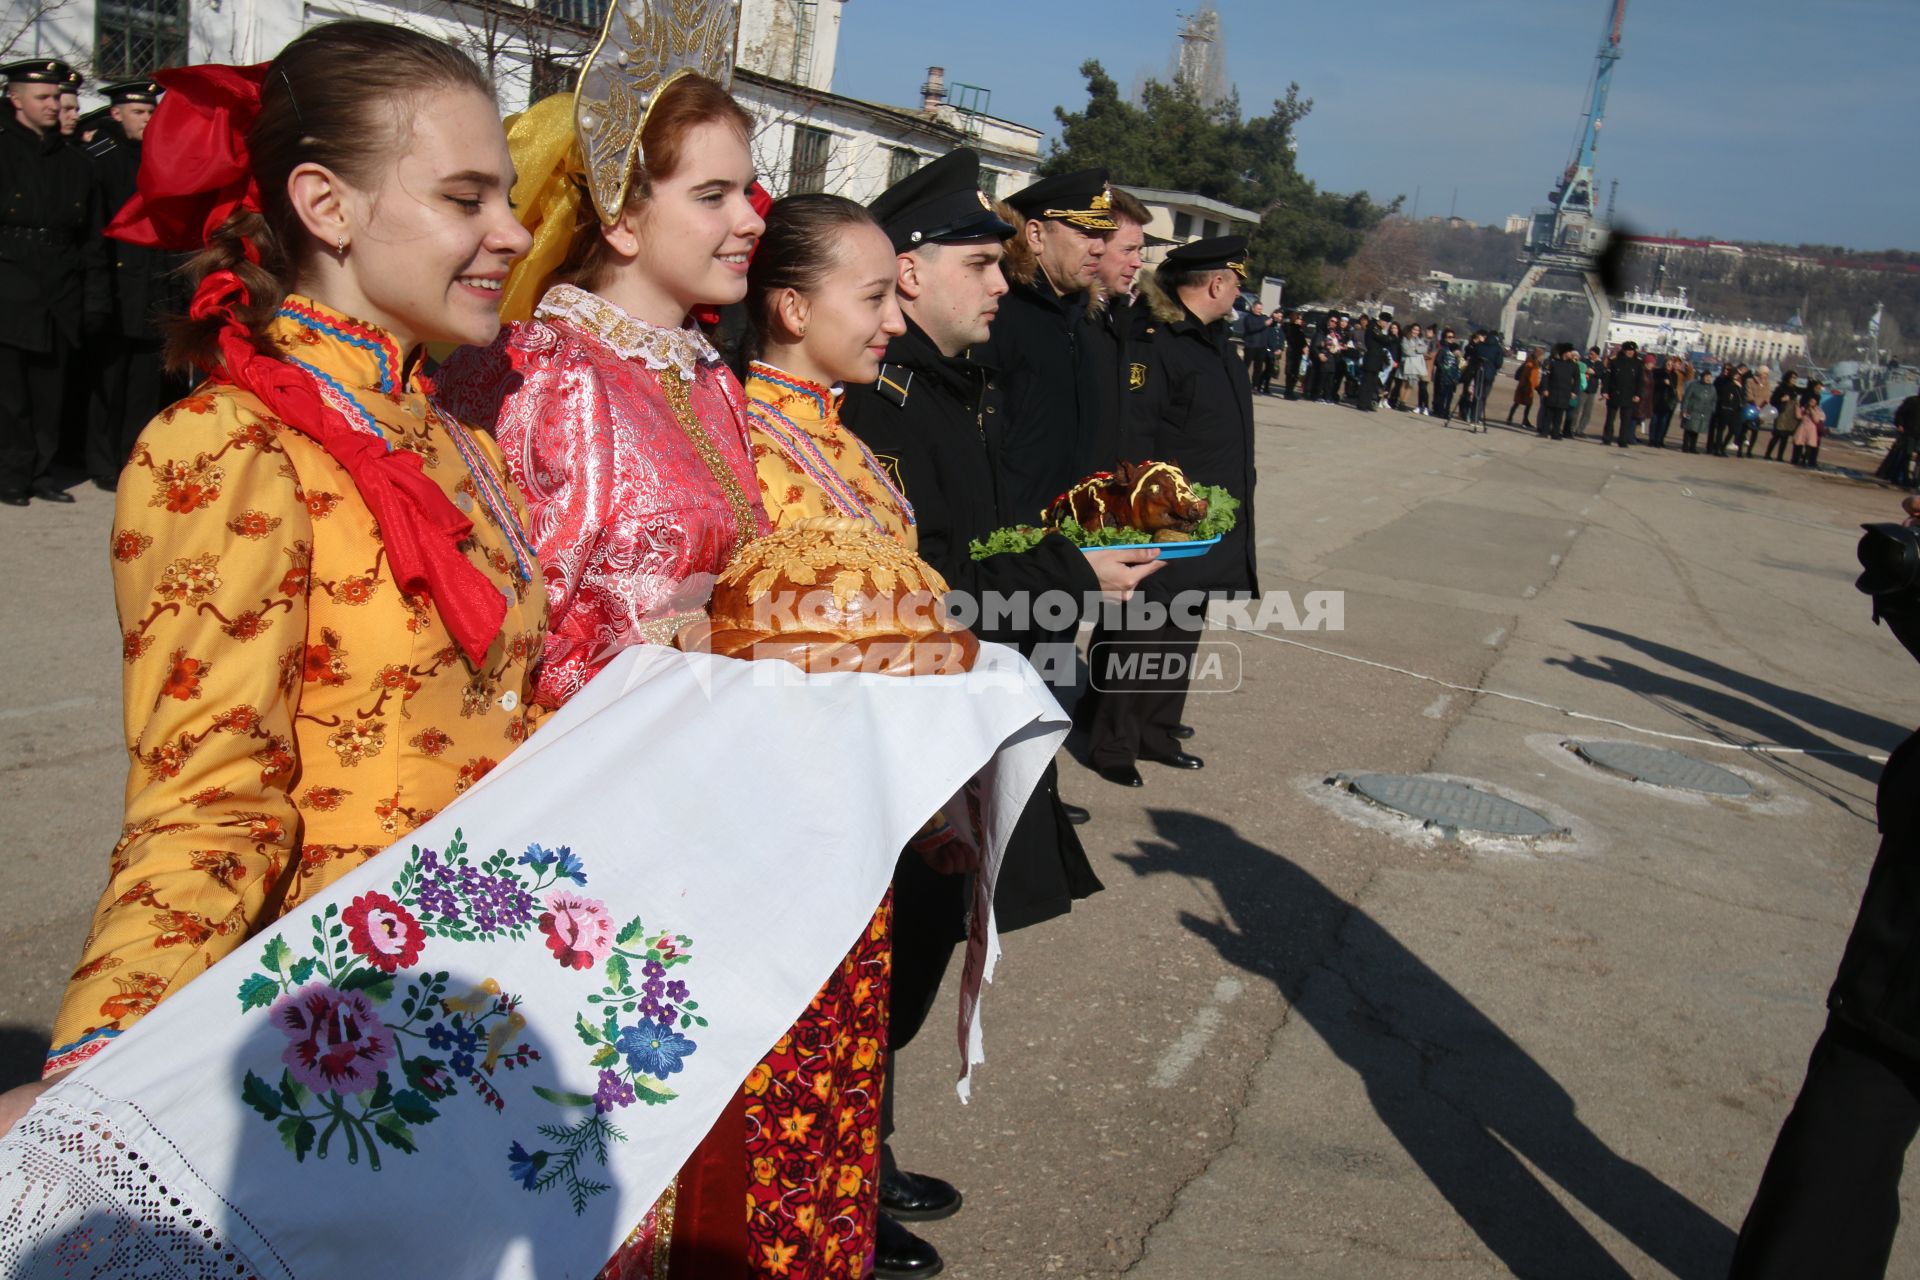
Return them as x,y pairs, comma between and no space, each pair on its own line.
587,15
1209,229
1183,226
138,37
548,76
990,183
811,149
901,161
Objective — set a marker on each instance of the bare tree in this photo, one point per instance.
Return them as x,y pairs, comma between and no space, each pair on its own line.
1391,261
16,33
544,41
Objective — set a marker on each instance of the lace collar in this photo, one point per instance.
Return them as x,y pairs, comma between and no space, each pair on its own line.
682,350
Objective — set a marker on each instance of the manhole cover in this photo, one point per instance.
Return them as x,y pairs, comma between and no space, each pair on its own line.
1663,768
1450,804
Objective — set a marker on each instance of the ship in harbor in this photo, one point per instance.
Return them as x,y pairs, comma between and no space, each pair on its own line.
1661,323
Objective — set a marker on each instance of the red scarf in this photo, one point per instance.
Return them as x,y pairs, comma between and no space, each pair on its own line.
195,174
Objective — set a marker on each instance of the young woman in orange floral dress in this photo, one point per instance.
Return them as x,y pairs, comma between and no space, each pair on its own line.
329,611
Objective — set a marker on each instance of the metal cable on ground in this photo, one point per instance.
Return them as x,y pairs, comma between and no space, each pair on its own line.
1757,749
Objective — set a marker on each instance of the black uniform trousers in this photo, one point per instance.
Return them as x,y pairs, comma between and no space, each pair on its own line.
930,918
1138,678
929,915
1624,414
1829,1202
1292,356
33,392
129,389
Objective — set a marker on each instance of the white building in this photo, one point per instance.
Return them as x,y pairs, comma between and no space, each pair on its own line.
1181,217
809,138
1751,342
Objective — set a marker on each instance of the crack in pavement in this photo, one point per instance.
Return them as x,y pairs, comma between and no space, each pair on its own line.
1243,1093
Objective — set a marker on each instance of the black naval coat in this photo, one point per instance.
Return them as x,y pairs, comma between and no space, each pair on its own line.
53,280
141,284
1877,990
1106,349
1189,403
932,421
1047,427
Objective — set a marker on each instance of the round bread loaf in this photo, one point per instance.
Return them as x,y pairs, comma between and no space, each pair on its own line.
833,594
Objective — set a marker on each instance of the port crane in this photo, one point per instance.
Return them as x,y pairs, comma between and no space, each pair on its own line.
1568,234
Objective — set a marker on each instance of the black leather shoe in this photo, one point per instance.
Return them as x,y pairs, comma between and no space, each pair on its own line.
1178,760
915,1197
1122,775
899,1254
14,497
1076,815
51,493
1180,732
106,486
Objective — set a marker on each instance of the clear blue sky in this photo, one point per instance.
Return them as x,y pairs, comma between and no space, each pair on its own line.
1787,120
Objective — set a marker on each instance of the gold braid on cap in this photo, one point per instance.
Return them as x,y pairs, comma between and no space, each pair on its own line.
645,46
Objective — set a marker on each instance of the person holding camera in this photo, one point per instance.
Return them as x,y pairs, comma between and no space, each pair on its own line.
1829,1201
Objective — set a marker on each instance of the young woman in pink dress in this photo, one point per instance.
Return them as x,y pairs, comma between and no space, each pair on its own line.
630,439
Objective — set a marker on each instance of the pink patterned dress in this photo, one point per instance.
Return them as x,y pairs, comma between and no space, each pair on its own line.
630,443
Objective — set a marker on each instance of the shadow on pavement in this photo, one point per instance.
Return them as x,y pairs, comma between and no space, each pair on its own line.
23,1051
1465,1101
1711,709
1823,715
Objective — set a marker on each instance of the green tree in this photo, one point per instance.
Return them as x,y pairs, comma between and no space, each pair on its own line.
1170,139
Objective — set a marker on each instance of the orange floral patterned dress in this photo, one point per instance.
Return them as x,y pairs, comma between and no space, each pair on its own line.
813,1103
289,713
810,465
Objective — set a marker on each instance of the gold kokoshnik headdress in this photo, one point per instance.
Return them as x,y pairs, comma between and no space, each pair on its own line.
572,148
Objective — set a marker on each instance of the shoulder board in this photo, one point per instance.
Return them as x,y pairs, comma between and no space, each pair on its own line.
893,384
100,147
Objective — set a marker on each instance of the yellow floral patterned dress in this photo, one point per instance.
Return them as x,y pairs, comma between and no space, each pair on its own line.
810,465
289,713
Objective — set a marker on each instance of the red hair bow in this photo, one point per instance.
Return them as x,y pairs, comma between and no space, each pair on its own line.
195,172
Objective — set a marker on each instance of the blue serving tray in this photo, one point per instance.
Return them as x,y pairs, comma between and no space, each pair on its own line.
1167,550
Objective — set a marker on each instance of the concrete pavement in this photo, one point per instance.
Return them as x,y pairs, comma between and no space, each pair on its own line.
1293,1038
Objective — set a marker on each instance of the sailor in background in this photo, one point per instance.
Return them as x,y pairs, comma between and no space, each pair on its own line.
53,280
935,421
70,106
127,382
1188,403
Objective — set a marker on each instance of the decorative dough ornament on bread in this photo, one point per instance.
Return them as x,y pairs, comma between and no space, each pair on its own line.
833,594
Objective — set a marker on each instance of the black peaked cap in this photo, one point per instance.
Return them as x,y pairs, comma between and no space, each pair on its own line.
1079,198
127,91
38,71
1219,253
938,203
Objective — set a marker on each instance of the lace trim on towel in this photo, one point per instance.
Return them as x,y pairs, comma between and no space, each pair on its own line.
79,1203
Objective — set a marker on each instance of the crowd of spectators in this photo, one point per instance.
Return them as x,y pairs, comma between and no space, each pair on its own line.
1366,361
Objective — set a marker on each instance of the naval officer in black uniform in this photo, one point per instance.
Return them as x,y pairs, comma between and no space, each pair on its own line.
936,421
1188,403
127,381
53,282
1061,229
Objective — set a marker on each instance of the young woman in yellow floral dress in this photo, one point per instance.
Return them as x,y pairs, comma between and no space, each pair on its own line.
822,300
328,607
